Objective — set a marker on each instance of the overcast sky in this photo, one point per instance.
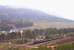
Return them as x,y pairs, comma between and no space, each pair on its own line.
61,8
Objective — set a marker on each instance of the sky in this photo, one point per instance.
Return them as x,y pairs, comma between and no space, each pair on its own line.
60,8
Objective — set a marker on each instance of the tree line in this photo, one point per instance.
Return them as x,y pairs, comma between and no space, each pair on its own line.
28,35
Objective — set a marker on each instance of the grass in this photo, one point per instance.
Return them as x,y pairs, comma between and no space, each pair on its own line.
66,47
62,47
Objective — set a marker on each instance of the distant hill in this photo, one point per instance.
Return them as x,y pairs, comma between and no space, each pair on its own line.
7,13
20,17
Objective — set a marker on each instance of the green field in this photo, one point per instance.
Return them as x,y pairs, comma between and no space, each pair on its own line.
61,47
66,47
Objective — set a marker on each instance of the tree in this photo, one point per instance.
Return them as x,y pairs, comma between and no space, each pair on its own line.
2,37
29,34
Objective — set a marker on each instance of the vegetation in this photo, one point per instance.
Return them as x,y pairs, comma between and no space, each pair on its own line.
60,47
32,35
28,35
66,47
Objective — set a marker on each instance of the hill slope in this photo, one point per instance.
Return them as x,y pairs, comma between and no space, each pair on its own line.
27,14
18,18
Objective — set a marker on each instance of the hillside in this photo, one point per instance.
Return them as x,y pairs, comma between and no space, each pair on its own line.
20,17
27,14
